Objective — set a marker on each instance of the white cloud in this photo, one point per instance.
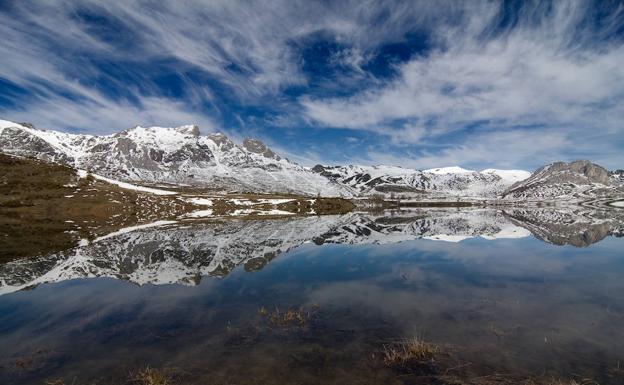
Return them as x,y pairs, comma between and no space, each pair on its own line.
245,46
553,70
498,149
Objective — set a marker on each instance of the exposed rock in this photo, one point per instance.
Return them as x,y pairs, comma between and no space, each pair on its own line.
257,147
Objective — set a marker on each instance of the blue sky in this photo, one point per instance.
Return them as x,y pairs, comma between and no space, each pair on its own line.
417,84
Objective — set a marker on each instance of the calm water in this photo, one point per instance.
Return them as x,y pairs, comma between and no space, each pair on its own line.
503,296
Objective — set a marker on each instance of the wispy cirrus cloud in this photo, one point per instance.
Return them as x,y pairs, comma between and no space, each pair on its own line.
553,69
62,51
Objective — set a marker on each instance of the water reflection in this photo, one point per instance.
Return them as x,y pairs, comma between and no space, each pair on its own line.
184,252
500,304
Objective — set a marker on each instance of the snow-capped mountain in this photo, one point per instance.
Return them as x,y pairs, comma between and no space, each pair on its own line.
181,156
183,253
438,182
578,180
177,155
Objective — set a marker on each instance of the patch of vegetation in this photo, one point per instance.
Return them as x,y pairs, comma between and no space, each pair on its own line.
291,317
409,351
323,206
151,376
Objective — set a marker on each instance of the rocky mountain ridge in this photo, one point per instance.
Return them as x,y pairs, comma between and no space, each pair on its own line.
178,155
434,183
580,180
181,156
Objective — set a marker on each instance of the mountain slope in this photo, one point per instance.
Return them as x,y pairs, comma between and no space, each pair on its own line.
177,155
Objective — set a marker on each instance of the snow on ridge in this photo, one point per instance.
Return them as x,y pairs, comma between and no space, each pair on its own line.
511,176
172,136
449,170
7,123
63,142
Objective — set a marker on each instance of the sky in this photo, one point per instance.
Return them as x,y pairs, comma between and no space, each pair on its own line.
416,84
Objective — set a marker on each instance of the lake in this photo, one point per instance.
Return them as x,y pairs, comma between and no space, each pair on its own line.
425,296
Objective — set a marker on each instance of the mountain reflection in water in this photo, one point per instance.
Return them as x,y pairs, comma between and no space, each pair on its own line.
506,296
184,252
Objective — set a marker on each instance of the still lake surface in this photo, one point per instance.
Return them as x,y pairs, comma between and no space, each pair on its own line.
502,296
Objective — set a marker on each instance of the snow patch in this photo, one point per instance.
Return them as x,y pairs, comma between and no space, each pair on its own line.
129,186
200,201
511,176
200,214
448,170
447,238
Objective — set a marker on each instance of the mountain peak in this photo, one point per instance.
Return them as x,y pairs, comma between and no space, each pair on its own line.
448,170
582,168
221,140
189,129
511,176
257,147
560,179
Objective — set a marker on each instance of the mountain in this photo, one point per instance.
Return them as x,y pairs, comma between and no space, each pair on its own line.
181,156
576,181
177,155
435,183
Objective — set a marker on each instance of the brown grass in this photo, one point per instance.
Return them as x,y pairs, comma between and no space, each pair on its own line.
151,376
291,317
409,350
46,207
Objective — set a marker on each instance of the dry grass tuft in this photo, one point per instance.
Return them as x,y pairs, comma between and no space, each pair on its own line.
288,318
151,376
410,350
